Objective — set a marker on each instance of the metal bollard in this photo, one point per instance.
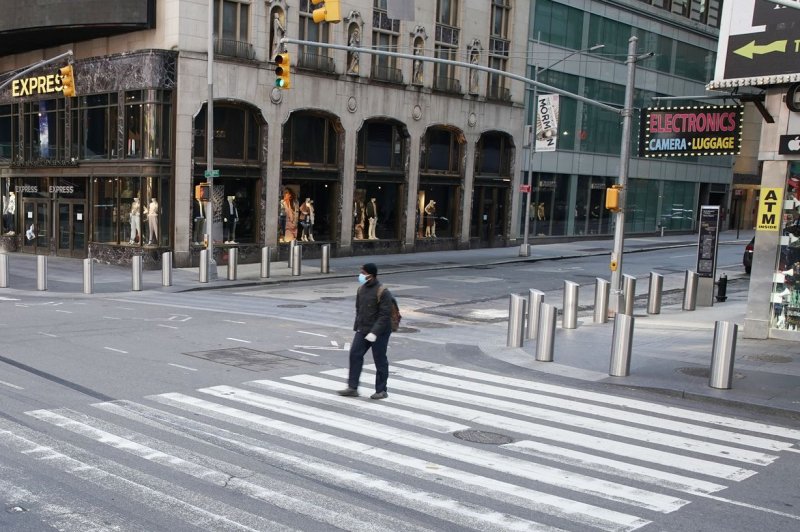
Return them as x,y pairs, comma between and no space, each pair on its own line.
602,289
621,344
203,270
136,273
296,259
265,259
3,270
88,276
166,268
690,290
535,300
292,246
629,291
723,354
547,333
569,320
233,263
41,272
654,293
325,261
516,320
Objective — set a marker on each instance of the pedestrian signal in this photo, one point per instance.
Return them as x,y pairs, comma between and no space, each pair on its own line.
329,12
282,71
202,192
67,81
612,198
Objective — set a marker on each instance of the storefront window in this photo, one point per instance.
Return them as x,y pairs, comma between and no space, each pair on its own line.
236,211
436,212
376,210
549,205
232,140
131,210
44,129
94,126
310,139
786,281
6,132
591,216
678,206
381,145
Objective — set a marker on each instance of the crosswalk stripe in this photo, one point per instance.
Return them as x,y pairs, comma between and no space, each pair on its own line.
437,505
333,512
606,445
626,402
203,512
572,420
551,452
513,466
578,512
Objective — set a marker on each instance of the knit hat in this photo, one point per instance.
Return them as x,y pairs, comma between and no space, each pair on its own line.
370,268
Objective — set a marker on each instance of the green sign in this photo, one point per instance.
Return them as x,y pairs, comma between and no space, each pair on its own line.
211,173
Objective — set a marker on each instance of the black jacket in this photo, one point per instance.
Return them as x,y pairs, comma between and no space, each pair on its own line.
372,316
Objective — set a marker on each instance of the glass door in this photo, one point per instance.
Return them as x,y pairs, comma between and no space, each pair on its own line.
35,226
71,229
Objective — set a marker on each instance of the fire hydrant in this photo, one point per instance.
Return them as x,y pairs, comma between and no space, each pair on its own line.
722,288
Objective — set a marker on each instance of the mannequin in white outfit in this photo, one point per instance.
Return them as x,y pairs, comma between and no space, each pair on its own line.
372,216
136,221
9,211
152,222
430,214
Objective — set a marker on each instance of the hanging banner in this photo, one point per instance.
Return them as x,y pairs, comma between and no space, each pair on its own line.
547,122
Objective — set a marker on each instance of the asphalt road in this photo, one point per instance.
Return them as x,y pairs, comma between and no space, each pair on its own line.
214,410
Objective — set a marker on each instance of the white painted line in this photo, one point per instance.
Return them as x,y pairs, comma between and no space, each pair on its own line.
48,334
239,340
455,451
569,437
182,367
3,298
535,501
125,308
116,350
236,322
4,383
625,402
302,353
64,311
793,450
334,343
752,507
110,318
313,334
166,326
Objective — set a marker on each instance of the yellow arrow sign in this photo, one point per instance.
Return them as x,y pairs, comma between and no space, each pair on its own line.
751,49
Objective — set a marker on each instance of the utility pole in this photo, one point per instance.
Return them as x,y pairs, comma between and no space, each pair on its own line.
209,174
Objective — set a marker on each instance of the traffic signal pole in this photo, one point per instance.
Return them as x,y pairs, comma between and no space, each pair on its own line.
212,264
35,66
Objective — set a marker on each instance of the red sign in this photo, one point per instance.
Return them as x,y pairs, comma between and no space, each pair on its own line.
525,188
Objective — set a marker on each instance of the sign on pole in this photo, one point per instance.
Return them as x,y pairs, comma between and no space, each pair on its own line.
547,122
769,209
211,173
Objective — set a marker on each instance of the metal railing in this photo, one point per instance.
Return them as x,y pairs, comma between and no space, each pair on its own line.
311,61
234,48
384,73
447,85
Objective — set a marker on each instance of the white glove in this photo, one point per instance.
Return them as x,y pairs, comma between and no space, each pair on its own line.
370,337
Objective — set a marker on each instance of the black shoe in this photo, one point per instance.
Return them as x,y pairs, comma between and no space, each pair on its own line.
348,392
379,395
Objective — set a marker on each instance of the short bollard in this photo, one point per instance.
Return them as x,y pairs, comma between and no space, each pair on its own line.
88,276
569,320
516,320
41,272
722,288
602,289
296,259
233,263
723,354
690,290
166,268
265,259
535,300
654,293
325,260
136,273
292,246
203,270
629,291
621,344
547,333
3,270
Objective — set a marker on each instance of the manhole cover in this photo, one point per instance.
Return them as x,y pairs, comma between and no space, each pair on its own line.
702,372
778,359
291,305
482,436
246,358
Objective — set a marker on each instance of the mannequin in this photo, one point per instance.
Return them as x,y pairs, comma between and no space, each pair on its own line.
358,215
372,216
152,222
540,212
230,218
290,206
307,220
136,221
9,213
430,214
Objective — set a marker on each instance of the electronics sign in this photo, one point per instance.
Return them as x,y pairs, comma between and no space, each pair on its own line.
690,131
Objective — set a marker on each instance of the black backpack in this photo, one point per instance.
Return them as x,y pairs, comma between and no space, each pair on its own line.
395,317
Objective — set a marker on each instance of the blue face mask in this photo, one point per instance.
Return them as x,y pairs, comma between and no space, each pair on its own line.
362,278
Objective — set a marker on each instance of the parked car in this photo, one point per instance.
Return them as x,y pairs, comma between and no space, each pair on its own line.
747,258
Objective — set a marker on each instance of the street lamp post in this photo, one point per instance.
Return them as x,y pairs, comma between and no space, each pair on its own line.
212,264
530,145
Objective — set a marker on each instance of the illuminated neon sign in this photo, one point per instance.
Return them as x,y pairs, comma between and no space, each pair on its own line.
690,131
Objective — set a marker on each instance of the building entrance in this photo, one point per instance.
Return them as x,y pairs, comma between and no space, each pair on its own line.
35,227
70,228
489,215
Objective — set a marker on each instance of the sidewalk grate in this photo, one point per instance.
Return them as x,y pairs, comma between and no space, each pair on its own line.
249,359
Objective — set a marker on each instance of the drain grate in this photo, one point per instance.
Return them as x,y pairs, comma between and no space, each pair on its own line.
249,359
482,436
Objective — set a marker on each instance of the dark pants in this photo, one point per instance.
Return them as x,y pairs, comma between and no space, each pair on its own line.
358,349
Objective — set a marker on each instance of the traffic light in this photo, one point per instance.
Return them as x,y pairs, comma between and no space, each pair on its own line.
67,81
329,12
282,71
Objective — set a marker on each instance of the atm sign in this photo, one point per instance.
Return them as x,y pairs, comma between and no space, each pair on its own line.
769,209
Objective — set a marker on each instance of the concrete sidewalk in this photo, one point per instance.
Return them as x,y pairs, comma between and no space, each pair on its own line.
671,351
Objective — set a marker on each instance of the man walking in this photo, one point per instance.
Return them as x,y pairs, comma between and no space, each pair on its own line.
373,328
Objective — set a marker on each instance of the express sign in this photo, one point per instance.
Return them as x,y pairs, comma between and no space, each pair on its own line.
690,131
